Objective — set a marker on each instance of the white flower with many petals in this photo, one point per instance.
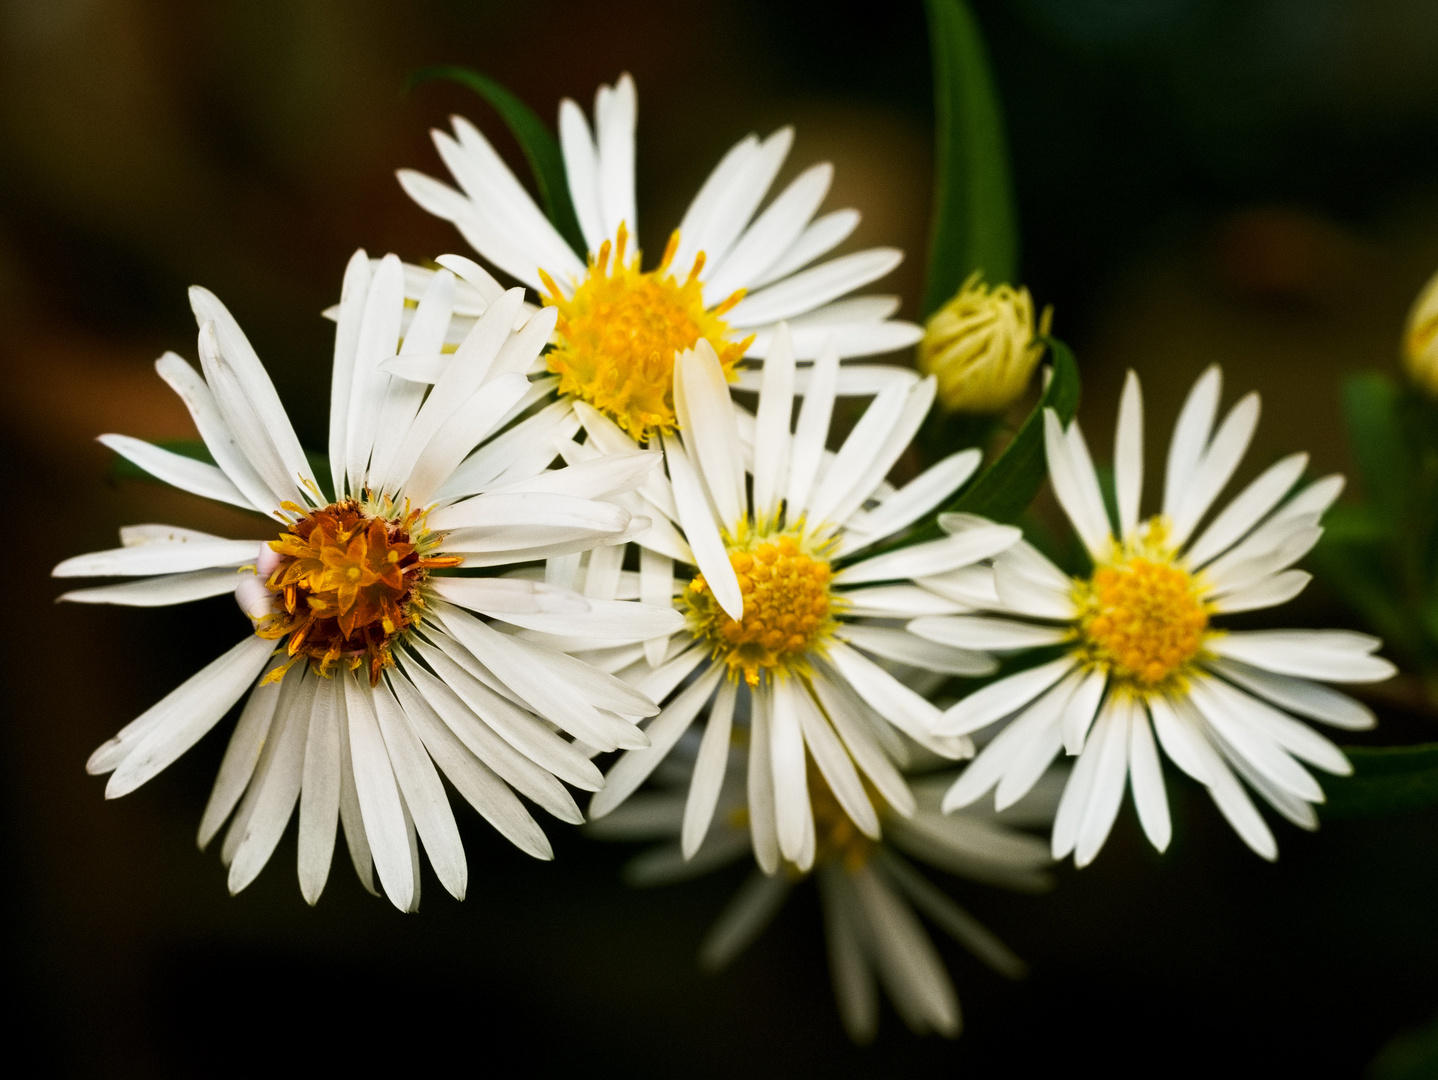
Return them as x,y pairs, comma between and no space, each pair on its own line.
872,894
786,604
726,277
379,665
1139,652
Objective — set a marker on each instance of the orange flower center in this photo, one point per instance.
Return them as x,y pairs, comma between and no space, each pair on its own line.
616,337
348,584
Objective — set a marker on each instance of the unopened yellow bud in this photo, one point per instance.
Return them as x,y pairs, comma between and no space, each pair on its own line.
1420,338
983,347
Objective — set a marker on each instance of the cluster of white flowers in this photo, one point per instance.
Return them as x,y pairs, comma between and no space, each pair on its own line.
551,532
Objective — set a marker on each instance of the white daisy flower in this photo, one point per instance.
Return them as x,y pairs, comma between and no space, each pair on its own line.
786,605
726,276
871,893
374,662
1139,653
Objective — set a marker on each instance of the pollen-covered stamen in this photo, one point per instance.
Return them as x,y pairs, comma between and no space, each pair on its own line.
348,584
1142,619
616,337
788,608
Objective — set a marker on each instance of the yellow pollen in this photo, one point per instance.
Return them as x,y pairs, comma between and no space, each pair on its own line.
348,583
616,337
1142,619
788,608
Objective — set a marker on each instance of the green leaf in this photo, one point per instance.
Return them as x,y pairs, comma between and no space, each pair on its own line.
1006,488
1371,407
535,139
974,221
1386,780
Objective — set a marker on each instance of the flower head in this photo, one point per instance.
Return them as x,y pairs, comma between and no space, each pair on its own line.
983,346
374,664
1420,338
726,277
871,892
787,612
1140,653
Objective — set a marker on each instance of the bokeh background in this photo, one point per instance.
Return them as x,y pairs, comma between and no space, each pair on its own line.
1253,182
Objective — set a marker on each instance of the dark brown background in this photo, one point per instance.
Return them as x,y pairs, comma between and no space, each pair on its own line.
1249,182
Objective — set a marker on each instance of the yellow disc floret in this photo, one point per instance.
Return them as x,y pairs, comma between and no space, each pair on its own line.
788,607
347,584
1142,619
616,337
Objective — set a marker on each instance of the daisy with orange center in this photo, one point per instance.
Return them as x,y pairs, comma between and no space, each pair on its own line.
375,665
729,274
1140,654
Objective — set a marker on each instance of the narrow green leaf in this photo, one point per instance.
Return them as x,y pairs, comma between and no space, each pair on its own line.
1371,407
974,223
540,147
1386,780
1006,488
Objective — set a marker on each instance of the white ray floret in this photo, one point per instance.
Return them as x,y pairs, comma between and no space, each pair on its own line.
1142,666
376,665
767,614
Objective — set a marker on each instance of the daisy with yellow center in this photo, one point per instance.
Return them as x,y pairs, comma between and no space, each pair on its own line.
729,274
375,665
786,620
1140,654
871,891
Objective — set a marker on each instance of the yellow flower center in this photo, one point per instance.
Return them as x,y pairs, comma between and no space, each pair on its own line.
1142,619
836,837
788,607
347,583
616,337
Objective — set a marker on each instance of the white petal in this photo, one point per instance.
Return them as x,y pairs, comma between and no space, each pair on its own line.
581,170
1128,455
908,647
1182,739
813,288
275,789
837,768
932,557
1075,485
762,826
1328,655
702,532
1190,438
1146,776
1111,734
842,707
614,139
822,236
159,591
709,769
460,433
910,967
1244,512
980,632
493,515
787,760
734,203
320,789
811,432
379,799
753,906
1264,593
1001,698
898,602
168,728
177,470
1217,466
1227,714
159,559
1082,708
241,756
771,234
891,699
771,435
912,501
854,988
710,429
1299,695
377,340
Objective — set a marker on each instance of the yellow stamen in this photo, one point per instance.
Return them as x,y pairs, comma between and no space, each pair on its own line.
616,337
1142,618
789,608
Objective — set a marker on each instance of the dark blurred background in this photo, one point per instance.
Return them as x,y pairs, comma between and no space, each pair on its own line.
1252,182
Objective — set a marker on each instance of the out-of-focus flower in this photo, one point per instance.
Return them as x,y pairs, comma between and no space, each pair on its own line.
787,608
983,346
871,894
375,663
1420,338
726,276
1138,646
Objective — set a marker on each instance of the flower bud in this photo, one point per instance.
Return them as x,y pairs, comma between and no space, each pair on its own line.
983,347
1420,338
